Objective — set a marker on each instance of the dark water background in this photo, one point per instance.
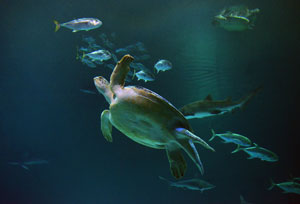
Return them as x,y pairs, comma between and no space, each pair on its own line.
44,115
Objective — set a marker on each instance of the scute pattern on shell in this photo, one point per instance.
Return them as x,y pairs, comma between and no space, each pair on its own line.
152,93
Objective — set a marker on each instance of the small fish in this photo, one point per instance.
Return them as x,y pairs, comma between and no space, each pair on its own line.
258,152
230,137
191,184
139,66
88,39
243,200
141,75
100,55
19,164
35,162
296,179
140,47
79,24
88,62
25,164
121,51
114,58
130,48
287,187
84,49
94,46
87,91
163,65
208,107
110,66
98,62
108,44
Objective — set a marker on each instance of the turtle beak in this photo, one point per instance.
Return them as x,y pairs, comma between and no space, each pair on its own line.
101,84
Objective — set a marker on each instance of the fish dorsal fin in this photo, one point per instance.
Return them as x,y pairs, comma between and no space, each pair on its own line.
208,98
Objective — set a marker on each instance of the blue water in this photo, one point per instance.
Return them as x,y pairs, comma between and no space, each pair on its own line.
44,115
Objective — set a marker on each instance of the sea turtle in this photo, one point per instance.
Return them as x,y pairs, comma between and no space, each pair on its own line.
236,18
147,118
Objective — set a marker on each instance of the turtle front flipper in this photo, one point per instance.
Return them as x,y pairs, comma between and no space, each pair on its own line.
106,126
176,160
120,72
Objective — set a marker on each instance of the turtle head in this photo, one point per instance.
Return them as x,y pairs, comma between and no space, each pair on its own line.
102,86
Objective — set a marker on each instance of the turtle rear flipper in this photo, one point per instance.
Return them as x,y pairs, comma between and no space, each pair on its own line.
106,126
176,160
187,134
190,149
120,72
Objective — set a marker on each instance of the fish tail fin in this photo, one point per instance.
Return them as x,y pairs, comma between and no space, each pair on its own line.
83,55
245,100
242,199
238,148
77,53
272,185
164,179
213,135
133,74
57,25
25,167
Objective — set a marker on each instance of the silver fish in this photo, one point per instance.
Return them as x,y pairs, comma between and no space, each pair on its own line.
88,62
87,91
243,200
25,164
121,51
115,58
287,187
191,184
94,46
163,65
84,49
79,24
140,47
106,42
139,66
100,55
230,137
110,66
141,75
89,39
258,152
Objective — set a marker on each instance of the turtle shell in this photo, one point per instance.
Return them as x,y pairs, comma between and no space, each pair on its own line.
146,117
